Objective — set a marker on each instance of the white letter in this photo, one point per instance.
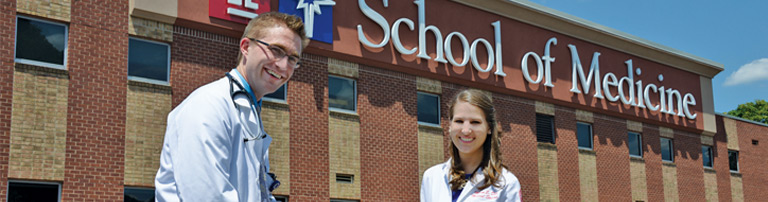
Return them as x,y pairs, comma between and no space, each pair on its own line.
548,62
689,100
594,68
473,50
524,67
670,108
607,84
423,38
464,47
631,82
376,17
497,36
396,36
647,97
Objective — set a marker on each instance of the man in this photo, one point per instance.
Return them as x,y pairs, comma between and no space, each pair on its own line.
215,147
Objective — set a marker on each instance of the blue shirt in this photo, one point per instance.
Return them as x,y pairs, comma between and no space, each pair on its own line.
455,194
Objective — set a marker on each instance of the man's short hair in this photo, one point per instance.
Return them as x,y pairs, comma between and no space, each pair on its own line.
257,27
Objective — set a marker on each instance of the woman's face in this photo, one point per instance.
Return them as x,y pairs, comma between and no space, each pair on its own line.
468,128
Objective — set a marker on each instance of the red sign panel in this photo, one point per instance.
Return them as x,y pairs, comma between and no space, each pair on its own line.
237,10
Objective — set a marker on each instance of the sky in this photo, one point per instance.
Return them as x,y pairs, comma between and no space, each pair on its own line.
731,33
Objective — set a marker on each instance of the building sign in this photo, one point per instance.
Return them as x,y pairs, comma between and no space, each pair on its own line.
317,16
482,47
237,10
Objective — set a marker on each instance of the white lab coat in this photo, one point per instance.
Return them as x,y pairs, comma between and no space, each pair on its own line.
435,186
204,155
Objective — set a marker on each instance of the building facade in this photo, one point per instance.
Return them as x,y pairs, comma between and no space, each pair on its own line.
587,113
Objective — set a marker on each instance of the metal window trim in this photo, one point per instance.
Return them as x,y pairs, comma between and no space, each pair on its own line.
591,136
438,109
639,144
35,62
354,98
58,184
671,149
148,80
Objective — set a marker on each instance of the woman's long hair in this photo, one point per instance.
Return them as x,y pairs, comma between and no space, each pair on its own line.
491,164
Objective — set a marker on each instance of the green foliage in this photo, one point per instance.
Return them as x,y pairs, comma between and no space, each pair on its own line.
756,111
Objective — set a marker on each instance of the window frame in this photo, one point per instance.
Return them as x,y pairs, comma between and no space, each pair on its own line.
275,100
671,149
35,62
639,144
354,86
591,136
738,167
552,128
438,110
148,80
711,157
138,188
8,188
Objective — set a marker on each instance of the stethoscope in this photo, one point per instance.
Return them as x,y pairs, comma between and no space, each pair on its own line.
237,97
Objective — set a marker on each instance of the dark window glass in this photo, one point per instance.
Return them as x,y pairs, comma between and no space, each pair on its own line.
148,60
279,94
584,133
706,153
666,149
40,41
733,160
341,93
138,194
634,142
281,198
23,191
429,108
545,128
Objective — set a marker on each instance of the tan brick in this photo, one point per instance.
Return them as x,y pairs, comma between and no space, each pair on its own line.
549,189
38,127
666,132
277,123
430,148
737,188
634,126
343,68
588,176
545,108
150,29
146,117
53,9
710,185
344,154
428,85
731,133
707,140
669,172
639,186
584,116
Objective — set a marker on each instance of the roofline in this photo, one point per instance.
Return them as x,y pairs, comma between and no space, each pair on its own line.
586,30
741,119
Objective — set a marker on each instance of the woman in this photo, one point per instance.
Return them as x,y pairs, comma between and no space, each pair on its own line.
474,172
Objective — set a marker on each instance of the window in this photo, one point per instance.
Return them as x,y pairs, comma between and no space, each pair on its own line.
148,61
428,109
667,150
134,194
342,94
41,43
278,95
545,128
634,142
733,160
33,191
584,133
706,155
281,198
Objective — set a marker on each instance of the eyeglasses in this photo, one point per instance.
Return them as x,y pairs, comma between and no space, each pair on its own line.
279,53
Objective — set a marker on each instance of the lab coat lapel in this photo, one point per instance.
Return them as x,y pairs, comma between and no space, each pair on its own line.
470,186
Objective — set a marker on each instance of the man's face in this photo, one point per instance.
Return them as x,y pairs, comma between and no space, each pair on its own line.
265,73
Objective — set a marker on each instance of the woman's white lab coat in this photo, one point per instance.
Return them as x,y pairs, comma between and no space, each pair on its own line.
204,155
435,186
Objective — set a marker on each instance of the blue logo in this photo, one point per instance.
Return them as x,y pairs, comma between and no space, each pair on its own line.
317,16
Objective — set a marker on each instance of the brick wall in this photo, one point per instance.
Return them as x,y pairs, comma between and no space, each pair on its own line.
147,108
753,160
388,135
567,154
612,159
430,148
344,154
7,41
150,29
39,123
97,98
637,170
653,164
720,161
199,58
308,99
518,143
54,9
277,122
690,169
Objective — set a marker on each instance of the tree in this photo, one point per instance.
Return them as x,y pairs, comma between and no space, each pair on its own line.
756,111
